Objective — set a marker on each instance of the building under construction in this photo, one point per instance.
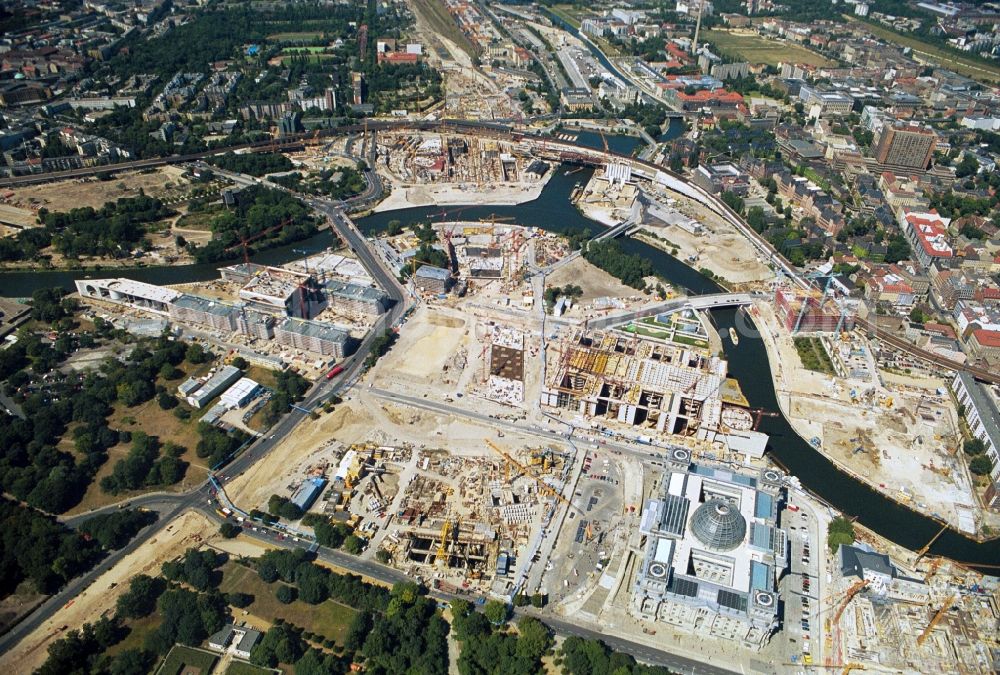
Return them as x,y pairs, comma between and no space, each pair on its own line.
652,384
943,622
812,311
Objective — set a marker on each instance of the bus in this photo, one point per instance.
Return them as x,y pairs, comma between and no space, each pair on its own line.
334,372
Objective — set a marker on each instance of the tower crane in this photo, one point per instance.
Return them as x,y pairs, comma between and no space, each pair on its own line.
544,487
442,551
936,619
926,547
246,241
855,588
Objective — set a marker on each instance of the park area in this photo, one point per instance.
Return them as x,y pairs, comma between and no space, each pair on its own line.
930,53
757,49
329,619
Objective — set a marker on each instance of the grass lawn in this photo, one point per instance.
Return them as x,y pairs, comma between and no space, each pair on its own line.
181,657
974,69
692,342
440,19
329,619
293,37
641,330
138,630
757,49
813,355
155,421
811,174
244,668
199,220
262,376
303,50
567,14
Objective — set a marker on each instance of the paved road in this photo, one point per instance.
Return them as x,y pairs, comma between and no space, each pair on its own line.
388,575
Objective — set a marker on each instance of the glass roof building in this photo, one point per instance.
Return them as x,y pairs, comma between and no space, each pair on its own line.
713,552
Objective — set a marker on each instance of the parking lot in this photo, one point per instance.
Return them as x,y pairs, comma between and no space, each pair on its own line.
803,616
577,560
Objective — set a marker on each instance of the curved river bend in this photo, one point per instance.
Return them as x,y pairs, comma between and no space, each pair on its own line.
748,362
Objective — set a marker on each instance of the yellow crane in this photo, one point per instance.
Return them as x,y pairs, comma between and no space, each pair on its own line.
852,666
544,487
442,552
936,619
923,551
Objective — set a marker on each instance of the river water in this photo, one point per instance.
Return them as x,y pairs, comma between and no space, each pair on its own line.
748,362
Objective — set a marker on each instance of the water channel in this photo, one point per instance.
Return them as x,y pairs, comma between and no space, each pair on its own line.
748,362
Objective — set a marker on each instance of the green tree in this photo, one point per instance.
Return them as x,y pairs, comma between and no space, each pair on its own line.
981,465
496,611
285,594
229,530
840,531
140,598
196,354
974,446
534,638
968,166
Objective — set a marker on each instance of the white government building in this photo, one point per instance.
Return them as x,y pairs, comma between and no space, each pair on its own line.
713,552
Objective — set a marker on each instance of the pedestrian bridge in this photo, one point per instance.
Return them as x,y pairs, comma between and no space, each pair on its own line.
709,301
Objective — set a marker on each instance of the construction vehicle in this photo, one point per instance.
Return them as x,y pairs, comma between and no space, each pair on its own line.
936,619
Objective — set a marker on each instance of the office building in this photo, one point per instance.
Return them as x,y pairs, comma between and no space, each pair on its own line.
432,279
310,336
241,393
129,293
927,234
905,145
718,178
205,312
357,298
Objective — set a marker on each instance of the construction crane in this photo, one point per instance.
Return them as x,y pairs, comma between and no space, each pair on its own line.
442,551
245,241
604,140
543,486
926,547
493,219
758,413
852,666
935,564
936,619
855,588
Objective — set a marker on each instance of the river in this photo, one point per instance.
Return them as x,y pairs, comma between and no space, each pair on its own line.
748,362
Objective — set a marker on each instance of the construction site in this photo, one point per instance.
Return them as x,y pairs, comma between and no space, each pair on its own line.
895,430
662,387
426,168
889,617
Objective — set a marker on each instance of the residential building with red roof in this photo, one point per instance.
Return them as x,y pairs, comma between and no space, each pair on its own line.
927,233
